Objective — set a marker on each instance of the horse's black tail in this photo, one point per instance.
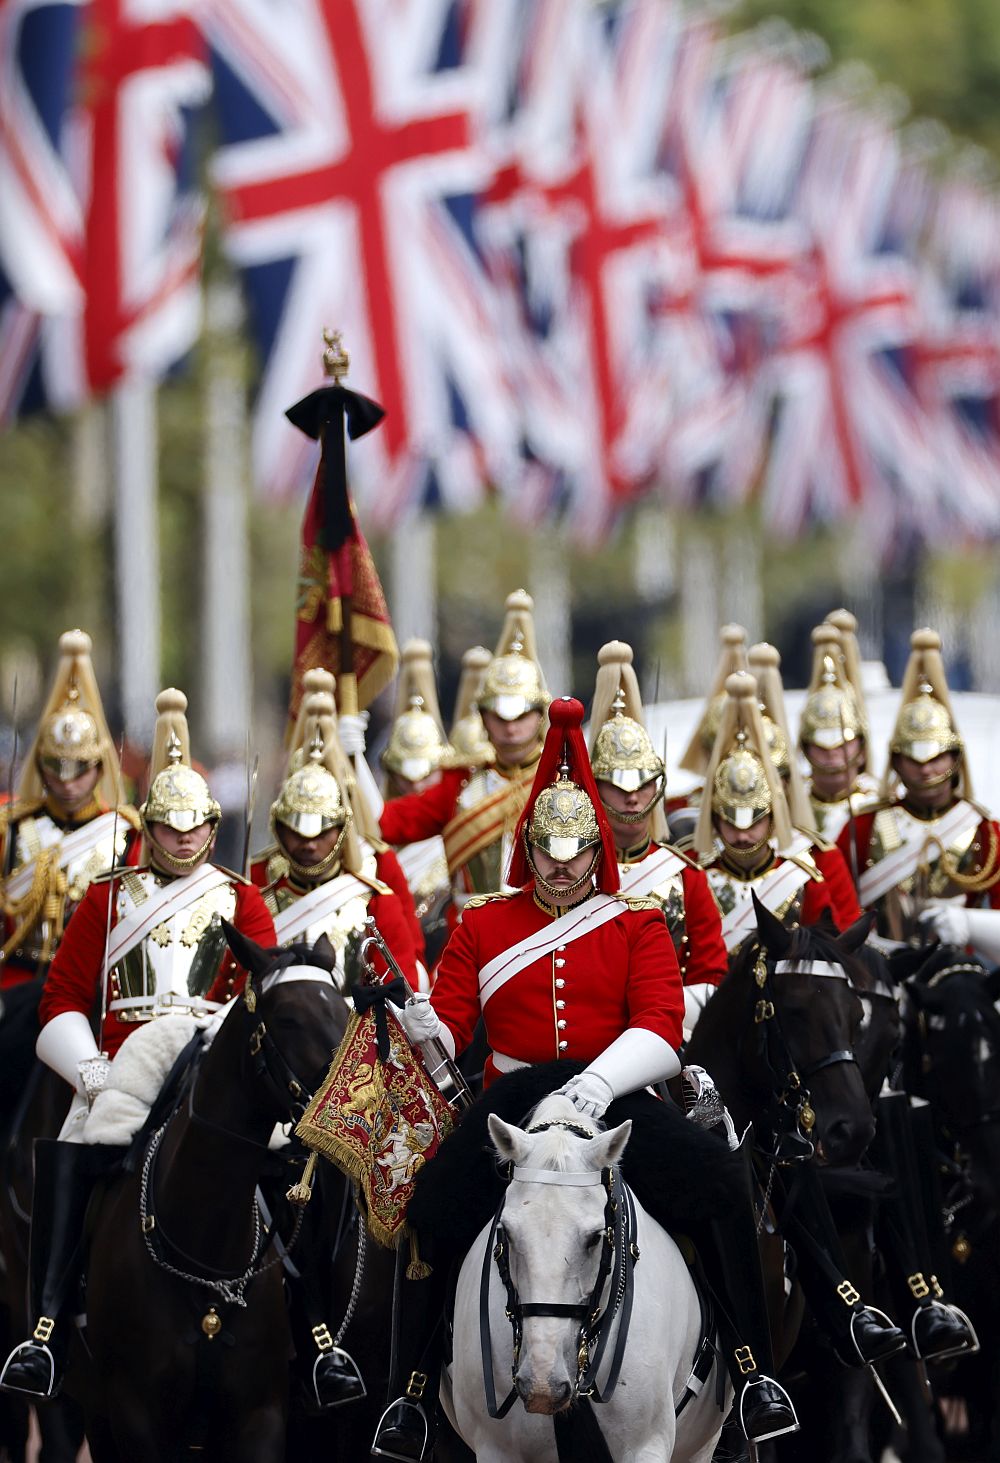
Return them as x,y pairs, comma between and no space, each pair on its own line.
578,1435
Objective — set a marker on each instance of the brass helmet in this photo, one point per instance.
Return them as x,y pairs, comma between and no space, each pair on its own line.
178,795
850,662
470,746
72,732
310,800
621,751
732,657
514,683
830,715
740,790
777,744
924,726
742,783
68,740
564,820
319,744
417,743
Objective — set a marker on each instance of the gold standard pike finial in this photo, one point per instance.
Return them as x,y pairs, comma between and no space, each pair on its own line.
336,361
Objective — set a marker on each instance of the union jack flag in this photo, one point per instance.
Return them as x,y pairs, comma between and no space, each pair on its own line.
347,177
101,233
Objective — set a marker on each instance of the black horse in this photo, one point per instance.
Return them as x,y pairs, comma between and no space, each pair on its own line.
186,1312
781,1038
951,1059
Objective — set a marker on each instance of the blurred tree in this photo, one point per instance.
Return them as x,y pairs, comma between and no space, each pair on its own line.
944,54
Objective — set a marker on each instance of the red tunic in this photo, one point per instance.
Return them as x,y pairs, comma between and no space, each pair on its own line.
702,950
390,916
620,975
837,877
73,981
387,868
816,895
988,830
421,815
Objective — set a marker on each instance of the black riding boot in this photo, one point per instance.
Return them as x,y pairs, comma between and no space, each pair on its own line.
64,1178
328,1373
861,1334
405,1430
731,1261
912,1221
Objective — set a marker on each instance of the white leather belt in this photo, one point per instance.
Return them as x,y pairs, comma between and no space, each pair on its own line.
169,1001
507,1064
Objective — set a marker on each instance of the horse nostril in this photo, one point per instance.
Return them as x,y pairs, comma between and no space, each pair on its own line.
561,1394
847,1139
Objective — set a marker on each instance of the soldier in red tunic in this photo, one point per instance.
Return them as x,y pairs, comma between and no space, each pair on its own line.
320,876
67,822
631,778
833,738
475,809
745,836
565,968
162,951
927,842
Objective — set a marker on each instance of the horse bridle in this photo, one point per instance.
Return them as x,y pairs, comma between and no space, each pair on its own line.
793,1116
619,1255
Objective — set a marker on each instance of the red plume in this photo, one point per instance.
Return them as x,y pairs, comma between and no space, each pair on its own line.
564,743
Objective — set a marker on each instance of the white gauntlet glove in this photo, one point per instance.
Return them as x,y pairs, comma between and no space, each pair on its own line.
67,1045
954,924
588,1093
352,733
421,1022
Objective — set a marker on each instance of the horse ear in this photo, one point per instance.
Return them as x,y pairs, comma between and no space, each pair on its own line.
324,954
773,934
253,957
856,934
510,1143
607,1148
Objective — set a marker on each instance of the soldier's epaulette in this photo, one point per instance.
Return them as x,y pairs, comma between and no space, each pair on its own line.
984,813
639,901
817,842
679,850
805,863
376,885
117,871
878,805
476,901
131,817
15,811
232,874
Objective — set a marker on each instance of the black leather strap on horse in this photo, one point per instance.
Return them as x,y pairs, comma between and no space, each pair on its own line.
619,1255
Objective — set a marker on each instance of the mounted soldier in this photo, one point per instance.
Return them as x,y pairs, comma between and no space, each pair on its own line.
413,760
631,781
144,943
927,840
67,822
475,809
321,876
833,738
745,837
765,667
563,968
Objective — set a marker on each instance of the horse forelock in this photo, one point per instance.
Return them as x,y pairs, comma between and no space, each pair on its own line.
554,1144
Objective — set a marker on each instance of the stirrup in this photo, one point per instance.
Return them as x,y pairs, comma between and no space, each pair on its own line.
348,1379
782,1400
890,1326
31,1348
414,1421
966,1348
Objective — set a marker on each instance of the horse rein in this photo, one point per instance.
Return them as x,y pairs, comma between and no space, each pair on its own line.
619,1255
795,1117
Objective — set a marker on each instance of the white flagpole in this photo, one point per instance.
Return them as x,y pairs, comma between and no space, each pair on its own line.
137,553
226,687
550,588
413,575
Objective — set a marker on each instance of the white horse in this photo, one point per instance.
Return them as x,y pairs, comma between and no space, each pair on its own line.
555,1226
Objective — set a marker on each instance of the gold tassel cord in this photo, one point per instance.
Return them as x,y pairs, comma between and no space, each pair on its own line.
301,1192
417,1269
980,879
45,900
